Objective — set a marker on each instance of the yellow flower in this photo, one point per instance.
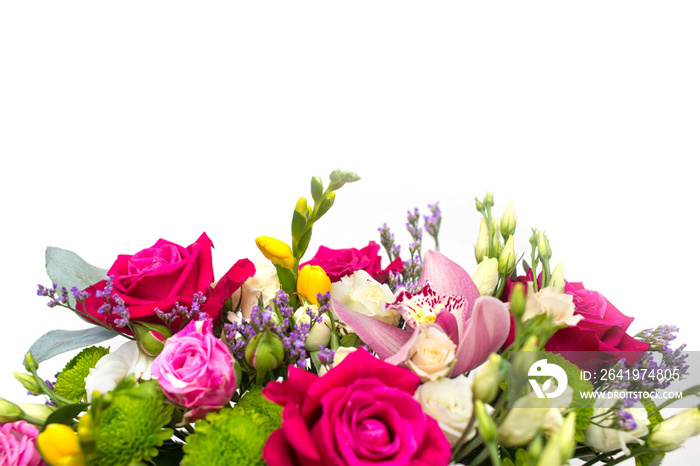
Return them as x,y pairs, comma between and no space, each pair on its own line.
59,446
277,251
311,281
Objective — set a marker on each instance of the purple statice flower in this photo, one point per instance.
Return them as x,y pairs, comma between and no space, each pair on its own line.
432,222
413,219
325,356
625,420
650,372
386,239
120,310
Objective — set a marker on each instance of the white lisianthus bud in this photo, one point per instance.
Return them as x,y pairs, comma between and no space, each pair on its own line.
263,285
449,402
320,333
486,276
547,301
530,414
605,435
340,354
432,354
506,259
482,241
112,368
486,385
557,282
362,293
508,220
671,433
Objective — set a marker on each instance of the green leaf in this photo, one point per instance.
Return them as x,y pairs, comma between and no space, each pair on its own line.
56,342
70,382
66,268
65,415
653,458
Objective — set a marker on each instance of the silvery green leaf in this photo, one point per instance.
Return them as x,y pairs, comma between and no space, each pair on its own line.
56,342
66,268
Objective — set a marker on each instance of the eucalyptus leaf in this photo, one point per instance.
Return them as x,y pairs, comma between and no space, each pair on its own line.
56,342
66,268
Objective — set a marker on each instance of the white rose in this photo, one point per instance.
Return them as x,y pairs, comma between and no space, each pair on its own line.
432,354
263,285
320,333
362,293
449,402
112,368
547,301
604,436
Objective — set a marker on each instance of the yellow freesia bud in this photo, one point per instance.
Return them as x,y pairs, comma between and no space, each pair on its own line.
59,446
277,251
486,276
302,206
311,281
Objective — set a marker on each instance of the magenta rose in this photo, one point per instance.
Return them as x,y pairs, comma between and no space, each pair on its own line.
195,370
18,445
155,278
338,263
360,412
603,327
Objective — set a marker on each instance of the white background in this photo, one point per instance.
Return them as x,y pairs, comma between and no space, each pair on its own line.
126,122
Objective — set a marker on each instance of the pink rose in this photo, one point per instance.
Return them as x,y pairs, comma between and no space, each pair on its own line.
195,370
18,445
162,275
360,412
338,263
602,329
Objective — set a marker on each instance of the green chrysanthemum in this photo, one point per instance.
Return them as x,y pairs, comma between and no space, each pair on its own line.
70,382
131,429
234,436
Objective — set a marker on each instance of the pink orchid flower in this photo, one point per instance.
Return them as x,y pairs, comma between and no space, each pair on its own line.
449,300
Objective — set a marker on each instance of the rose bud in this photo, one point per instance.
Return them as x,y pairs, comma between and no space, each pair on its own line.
150,338
265,351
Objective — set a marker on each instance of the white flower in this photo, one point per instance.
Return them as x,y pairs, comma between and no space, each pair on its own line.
530,414
432,354
603,435
671,433
320,333
449,402
340,354
547,301
263,285
112,368
362,293
485,276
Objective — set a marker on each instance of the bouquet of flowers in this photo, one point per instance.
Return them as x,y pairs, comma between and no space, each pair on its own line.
335,359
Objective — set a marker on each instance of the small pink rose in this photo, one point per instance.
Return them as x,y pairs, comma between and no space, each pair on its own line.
195,370
18,445
360,412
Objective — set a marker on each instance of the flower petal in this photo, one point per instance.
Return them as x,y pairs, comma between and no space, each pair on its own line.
449,278
484,334
384,339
